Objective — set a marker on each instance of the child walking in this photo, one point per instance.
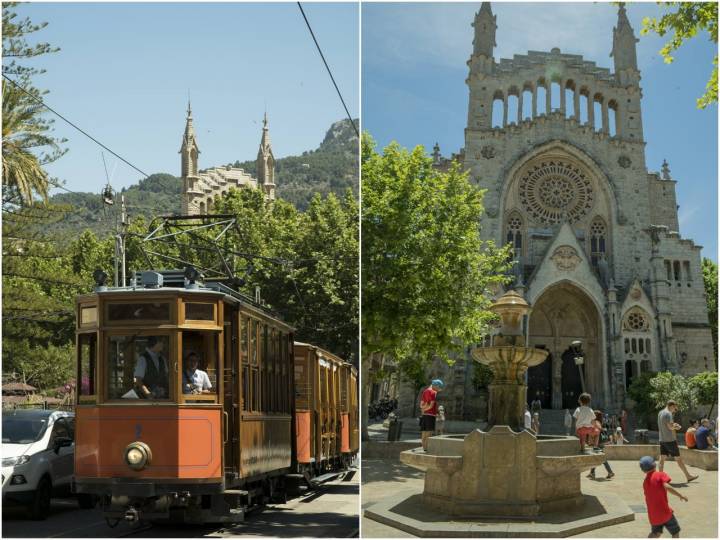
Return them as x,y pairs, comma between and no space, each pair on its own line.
656,487
584,417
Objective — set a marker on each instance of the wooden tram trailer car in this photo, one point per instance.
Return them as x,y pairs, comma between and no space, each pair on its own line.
156,451
326,412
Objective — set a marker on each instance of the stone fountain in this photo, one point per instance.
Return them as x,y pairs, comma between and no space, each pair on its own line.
504,473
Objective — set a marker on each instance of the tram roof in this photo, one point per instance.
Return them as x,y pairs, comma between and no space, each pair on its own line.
174,281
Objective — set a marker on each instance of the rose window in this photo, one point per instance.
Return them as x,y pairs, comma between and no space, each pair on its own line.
636,321
554,191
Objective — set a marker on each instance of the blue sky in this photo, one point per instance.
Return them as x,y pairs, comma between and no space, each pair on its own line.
413,84
124,72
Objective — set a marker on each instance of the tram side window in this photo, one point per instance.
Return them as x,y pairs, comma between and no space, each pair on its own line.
138,368
200,362
87,351
244,362
287,371
264,404
274,383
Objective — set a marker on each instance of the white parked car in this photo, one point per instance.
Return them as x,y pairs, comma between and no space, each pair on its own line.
37,458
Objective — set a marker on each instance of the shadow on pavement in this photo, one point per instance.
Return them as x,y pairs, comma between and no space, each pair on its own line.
387,471
274,523
414,508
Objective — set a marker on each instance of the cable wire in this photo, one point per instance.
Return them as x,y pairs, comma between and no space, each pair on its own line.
41,102
328,70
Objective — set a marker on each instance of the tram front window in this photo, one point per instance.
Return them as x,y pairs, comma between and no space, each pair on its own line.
138,367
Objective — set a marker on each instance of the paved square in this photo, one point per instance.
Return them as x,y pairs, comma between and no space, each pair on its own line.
698,517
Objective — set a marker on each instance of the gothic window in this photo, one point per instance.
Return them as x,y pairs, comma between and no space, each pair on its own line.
598,241
498,106
668,270
597,112
569,99
513,102
644,366
613,120
527,103
541,98
686,268
676,269
583,106
555,96
514,234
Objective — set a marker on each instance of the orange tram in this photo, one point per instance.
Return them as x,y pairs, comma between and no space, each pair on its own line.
194,403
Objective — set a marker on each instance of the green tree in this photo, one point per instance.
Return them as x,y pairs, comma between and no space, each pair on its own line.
710,280
666,385
639,392
705,385
426,272
27,141
685,22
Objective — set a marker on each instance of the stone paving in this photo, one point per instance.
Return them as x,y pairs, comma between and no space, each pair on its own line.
698,517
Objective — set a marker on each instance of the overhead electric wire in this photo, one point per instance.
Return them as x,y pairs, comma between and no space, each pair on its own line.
328,69
41,102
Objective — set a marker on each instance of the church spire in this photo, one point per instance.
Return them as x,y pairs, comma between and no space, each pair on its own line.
189,149
485,26
266,162
623,52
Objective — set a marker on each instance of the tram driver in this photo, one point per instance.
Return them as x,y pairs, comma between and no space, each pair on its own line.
151,371
195,380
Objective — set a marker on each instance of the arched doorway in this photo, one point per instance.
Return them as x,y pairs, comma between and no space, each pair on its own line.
562,314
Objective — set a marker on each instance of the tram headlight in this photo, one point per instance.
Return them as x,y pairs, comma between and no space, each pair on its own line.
137,455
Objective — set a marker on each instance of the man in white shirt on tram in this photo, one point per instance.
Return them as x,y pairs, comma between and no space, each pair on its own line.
195,381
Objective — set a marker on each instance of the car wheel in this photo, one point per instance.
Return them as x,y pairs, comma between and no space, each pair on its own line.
86,501
40,508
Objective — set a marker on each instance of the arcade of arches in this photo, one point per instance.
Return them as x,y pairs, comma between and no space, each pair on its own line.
561,315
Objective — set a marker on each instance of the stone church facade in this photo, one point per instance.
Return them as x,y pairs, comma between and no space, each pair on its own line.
200,188
558,144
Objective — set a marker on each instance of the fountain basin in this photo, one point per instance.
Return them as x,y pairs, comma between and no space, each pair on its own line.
501,473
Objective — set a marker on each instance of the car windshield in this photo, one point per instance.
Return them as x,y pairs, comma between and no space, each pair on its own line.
19,430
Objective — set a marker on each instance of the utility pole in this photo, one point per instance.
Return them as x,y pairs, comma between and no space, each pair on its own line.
121,236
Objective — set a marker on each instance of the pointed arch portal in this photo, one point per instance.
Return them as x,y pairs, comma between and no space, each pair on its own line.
562,314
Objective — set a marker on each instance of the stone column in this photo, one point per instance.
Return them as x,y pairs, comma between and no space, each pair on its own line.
605,126
548,88
591,110
576,104
562,99
505,111
534,102
520,108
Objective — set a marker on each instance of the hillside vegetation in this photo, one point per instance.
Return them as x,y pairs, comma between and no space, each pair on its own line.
330,168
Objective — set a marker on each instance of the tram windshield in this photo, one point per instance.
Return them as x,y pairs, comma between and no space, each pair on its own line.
138,367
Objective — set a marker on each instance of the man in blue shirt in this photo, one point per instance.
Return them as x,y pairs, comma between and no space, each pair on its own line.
703,438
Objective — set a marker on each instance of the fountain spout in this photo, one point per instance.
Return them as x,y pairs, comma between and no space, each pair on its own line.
509,359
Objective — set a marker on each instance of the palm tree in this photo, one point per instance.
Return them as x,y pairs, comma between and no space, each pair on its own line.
23,134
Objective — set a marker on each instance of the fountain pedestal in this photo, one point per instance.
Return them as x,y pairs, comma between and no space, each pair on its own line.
501,474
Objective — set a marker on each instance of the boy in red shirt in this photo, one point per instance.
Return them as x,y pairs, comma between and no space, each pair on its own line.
656,487
429,409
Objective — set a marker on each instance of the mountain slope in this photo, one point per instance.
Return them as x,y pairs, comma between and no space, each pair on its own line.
331,168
